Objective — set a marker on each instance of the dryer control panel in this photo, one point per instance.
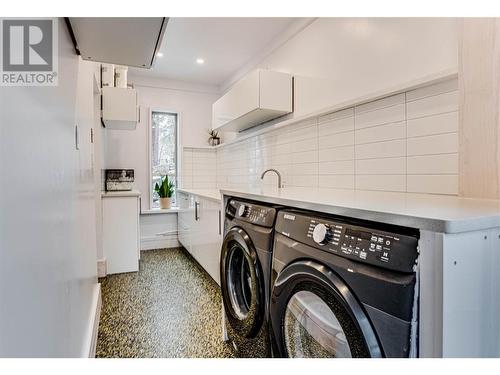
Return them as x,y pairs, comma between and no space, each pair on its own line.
378,247
251,213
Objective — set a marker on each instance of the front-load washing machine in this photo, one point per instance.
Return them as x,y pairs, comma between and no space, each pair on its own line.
343,287
245,266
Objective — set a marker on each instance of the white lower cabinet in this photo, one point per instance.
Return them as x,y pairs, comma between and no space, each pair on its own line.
120,220
185,220
200,231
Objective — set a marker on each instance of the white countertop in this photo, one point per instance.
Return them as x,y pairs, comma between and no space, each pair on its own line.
438,213
213,194
125,193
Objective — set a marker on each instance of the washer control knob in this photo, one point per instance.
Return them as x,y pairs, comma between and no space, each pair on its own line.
243,211
321,234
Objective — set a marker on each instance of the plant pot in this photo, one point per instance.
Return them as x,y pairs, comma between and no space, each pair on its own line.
214,141
165,202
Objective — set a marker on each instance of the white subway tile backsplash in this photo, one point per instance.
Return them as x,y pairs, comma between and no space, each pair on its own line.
336,167
388,101
381,166
405,142
280,159
385,149
381,116
304,145
336,181
204,172
381,133
433,164
337,153
305,157
198,168
435,184
348,112
336,126
433,144
281,149
337,140
304,180
304,169
432,105
436,124
436,89
303,133
381,182
204,178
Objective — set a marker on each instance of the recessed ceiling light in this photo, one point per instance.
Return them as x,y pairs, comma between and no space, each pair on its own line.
200,61
159,54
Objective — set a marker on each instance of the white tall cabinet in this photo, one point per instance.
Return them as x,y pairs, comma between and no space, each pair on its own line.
120,220
200,230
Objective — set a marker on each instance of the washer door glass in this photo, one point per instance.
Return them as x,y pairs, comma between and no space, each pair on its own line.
311,328
239,283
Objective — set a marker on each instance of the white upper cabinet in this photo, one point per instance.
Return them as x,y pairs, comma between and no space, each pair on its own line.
259,97
119,108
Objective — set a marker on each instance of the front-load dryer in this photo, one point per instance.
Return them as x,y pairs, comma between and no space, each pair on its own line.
343,287
245,266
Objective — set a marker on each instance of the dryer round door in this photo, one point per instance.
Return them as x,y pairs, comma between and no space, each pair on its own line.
314,314
242,283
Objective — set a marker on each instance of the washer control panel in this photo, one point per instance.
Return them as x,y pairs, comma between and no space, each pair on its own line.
252,213
369,245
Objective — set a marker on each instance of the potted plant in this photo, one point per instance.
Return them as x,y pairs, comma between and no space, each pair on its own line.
165,190
214,139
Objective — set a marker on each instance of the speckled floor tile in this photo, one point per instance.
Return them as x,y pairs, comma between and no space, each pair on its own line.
170,308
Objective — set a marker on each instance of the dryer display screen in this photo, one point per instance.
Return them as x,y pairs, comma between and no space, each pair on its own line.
359,234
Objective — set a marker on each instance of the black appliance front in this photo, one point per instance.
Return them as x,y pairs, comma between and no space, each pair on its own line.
245,266
242,283
341,288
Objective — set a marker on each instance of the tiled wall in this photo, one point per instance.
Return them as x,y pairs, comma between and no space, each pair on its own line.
406,142
198,168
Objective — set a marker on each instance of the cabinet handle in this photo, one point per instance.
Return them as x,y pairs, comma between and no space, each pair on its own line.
196,217
220,229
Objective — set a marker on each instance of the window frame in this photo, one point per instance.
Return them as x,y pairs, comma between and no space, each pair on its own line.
177,152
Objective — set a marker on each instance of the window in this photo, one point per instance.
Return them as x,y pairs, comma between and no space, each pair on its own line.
163,151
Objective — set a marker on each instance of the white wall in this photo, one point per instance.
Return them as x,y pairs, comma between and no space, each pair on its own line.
158,231
340,59
129,149
47,216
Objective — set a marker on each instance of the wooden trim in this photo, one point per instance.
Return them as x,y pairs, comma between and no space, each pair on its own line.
101,268
479,98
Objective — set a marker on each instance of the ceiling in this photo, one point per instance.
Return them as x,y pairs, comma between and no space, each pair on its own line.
225,44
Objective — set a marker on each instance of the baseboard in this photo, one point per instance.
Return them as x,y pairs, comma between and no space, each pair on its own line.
159,242
101,268
90,342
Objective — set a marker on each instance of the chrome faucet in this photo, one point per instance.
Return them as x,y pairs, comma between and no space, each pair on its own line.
275,171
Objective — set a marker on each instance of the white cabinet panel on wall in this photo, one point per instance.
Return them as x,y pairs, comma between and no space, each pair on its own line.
119,108
259,97
120,216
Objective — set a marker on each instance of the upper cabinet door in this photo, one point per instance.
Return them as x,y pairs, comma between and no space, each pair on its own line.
259,97
123,41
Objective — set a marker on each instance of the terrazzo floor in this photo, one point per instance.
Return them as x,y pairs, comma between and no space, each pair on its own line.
170,308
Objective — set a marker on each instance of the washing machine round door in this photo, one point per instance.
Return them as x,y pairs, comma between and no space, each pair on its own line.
314,314
242,283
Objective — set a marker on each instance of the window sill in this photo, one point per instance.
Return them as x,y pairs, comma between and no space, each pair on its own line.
160,211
